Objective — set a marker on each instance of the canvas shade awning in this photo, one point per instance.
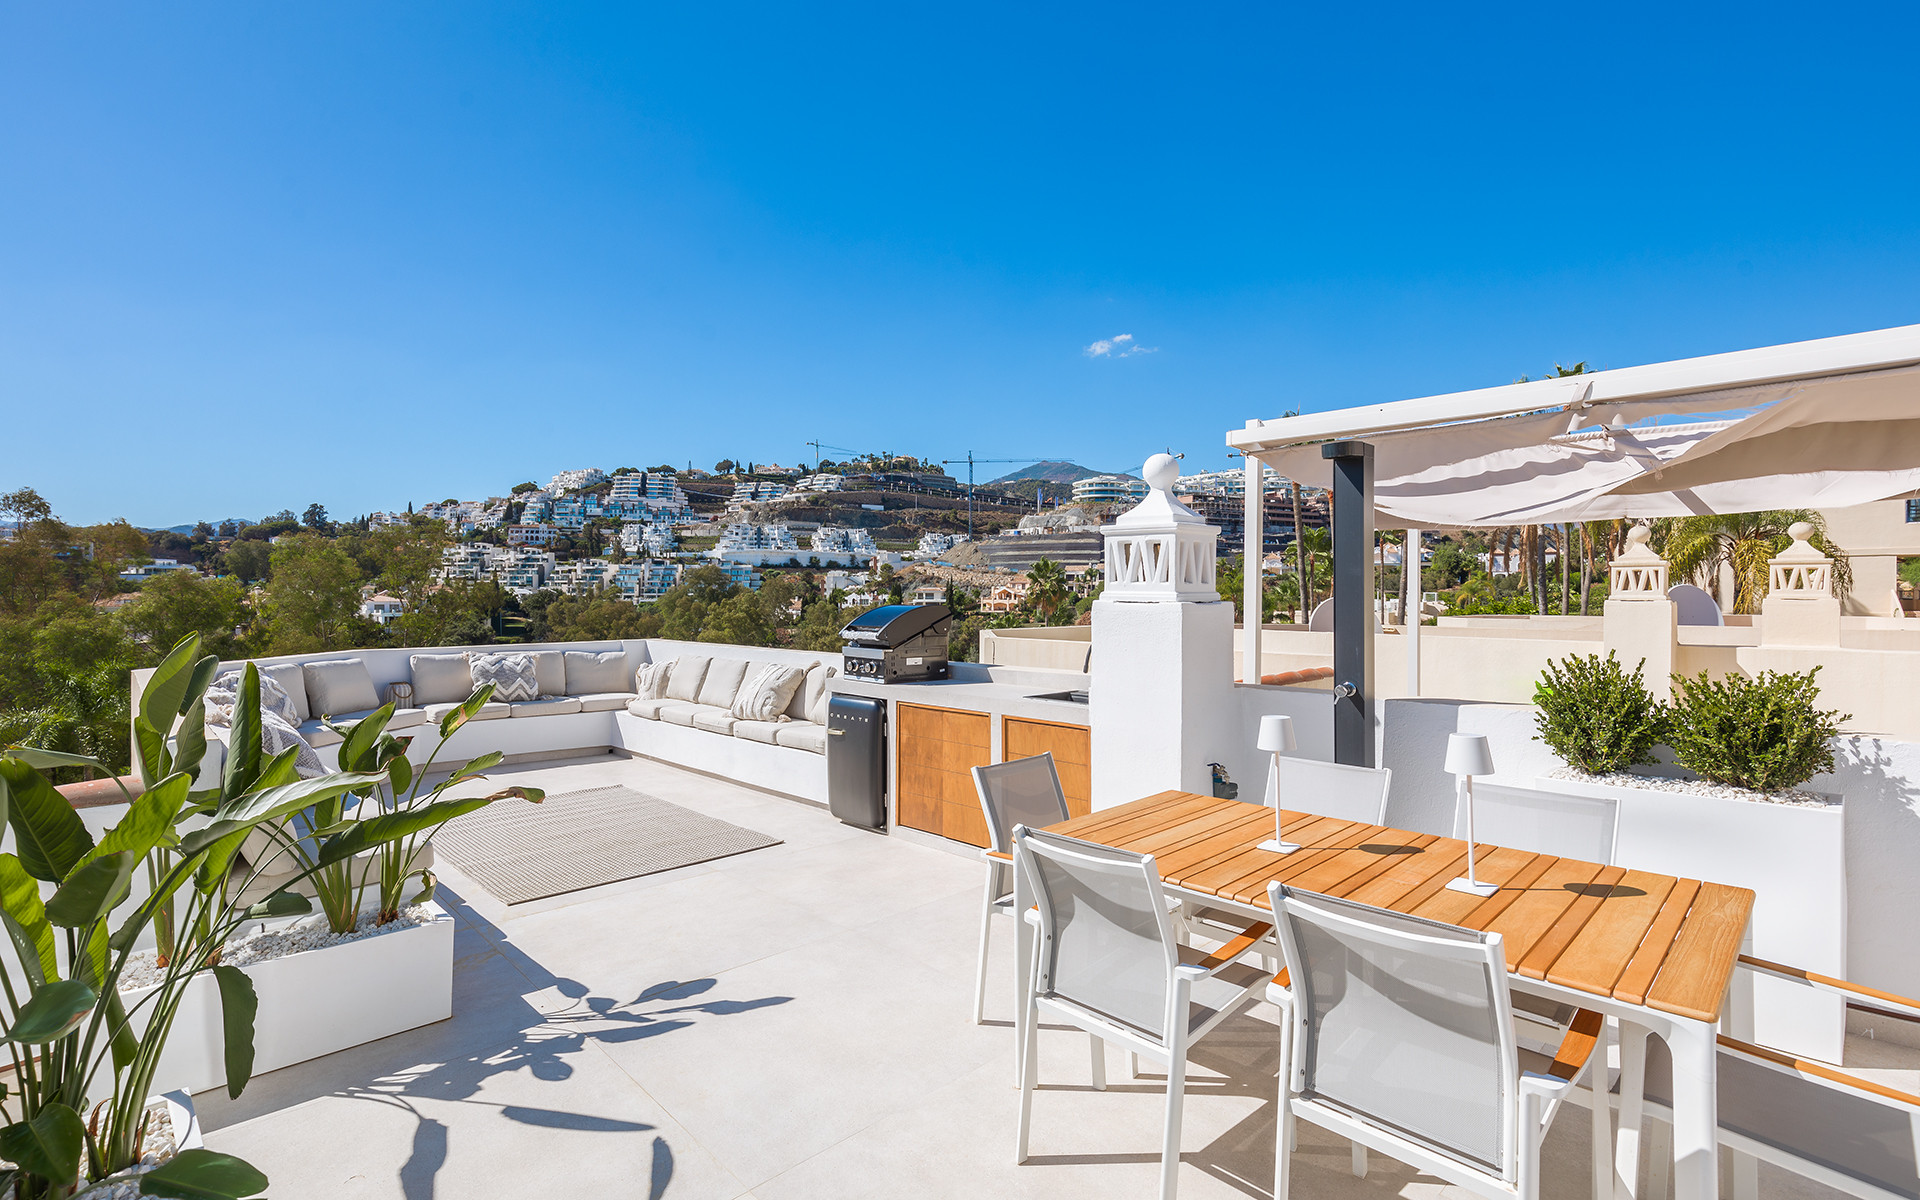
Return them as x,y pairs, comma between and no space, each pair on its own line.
1825,424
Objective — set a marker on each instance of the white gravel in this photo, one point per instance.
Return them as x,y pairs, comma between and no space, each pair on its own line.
263,945
1700,787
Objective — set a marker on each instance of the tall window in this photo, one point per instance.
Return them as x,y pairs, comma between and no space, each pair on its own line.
1913,512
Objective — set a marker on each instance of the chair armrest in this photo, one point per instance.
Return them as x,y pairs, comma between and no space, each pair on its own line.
1576,1047
1819,1070
1900,1004
1248,938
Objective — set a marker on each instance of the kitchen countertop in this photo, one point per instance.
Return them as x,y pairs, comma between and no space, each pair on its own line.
1006,697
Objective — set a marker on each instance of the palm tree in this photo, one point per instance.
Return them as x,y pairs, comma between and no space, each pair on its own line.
1694,546
1047,587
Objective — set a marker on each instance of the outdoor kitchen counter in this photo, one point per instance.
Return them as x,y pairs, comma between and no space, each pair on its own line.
938,730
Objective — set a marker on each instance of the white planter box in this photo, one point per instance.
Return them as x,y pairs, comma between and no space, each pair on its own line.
315,1003
1794,859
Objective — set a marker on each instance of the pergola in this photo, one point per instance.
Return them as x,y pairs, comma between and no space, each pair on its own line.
1827,423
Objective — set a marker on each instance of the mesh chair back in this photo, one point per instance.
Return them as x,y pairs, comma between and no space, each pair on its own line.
1565,826
1404,1023
1867,1138
1334,789
1025,791
1106,943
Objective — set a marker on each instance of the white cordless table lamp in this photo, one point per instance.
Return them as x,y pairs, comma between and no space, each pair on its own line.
1467,756
1276,738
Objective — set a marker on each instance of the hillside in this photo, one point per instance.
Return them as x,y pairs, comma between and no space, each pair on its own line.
1048,472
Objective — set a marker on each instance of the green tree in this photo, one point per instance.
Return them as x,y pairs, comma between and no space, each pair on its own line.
820,625
313,600
1696,546
739,620
179,603
249,559
602,616
64,681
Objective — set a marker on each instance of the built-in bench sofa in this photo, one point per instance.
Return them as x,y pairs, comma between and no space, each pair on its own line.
586,700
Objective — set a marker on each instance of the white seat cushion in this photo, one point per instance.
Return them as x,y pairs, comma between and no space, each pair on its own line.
549,671
683,713
802,735
490,711
650,709
757,731
719,721
403,718
339,685
604,672
293,681
317,735
683,682
603,701
551,706
440,678
722,683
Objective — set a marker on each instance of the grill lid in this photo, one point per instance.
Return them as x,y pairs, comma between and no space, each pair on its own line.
893,624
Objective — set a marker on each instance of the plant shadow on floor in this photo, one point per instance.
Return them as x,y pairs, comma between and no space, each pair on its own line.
543,1051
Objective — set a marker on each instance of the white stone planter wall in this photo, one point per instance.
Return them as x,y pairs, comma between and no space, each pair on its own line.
1794,859
316,1002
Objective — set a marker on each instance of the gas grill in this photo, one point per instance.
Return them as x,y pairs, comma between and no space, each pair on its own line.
897,643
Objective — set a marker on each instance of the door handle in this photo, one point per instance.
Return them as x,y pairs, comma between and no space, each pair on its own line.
836,733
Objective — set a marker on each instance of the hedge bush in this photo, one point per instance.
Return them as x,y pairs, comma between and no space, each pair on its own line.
1595,715
1763,734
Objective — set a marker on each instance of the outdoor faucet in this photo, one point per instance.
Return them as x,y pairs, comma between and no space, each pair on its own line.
1345,691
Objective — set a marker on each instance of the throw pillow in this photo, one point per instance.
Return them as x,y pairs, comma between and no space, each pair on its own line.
768,690
276,736
338,687
440,678
294,682
817,711
650,681
722,682
224,692
590,673
689,671
511,675
549,671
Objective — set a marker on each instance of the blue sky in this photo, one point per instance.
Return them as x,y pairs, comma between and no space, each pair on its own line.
253,256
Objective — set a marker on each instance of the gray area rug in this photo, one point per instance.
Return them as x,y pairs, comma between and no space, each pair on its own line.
521,852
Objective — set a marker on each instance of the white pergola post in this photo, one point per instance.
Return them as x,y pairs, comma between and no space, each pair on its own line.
1410,606
1252,552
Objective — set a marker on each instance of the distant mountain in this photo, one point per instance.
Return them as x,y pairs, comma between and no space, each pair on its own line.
1049,472
188,528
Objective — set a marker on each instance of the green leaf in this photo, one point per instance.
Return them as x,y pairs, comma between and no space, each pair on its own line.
150,751
91,967
125,1046
237,1007
400,771
92,891
49,834
358,748
391,827
281,904
47,1146
148,821
165,695
283,768
243,737
33,756
50,1014
26,920
244,812
190,742
203,1175
457,717
203,673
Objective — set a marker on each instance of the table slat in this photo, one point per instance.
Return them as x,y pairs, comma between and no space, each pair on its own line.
1637,979
1599,956
1585,907
1693,981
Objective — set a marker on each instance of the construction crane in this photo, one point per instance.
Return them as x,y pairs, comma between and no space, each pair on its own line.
970,460
818,446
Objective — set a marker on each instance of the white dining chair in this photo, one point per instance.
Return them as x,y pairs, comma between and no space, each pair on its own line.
1400,1034
1025,791
1856,1135
1109,963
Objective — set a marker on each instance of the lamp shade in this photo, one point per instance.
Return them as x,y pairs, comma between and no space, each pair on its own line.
1467,754
1276,735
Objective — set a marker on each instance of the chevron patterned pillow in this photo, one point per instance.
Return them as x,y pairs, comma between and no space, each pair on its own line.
511,675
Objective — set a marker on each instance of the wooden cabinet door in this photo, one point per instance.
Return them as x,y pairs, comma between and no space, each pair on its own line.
1023,737
936,750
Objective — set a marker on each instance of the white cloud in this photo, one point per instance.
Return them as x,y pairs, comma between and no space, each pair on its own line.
1120,345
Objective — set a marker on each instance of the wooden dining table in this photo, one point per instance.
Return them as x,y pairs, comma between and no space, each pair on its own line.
1654,951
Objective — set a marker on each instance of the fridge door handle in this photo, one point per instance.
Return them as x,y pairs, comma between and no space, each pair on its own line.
836,733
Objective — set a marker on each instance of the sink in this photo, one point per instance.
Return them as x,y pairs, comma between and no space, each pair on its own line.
1062,697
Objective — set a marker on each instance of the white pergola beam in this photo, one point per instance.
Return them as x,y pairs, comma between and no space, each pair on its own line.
1876,350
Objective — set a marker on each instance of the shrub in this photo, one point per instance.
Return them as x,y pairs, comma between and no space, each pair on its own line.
1596,716
1761,734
